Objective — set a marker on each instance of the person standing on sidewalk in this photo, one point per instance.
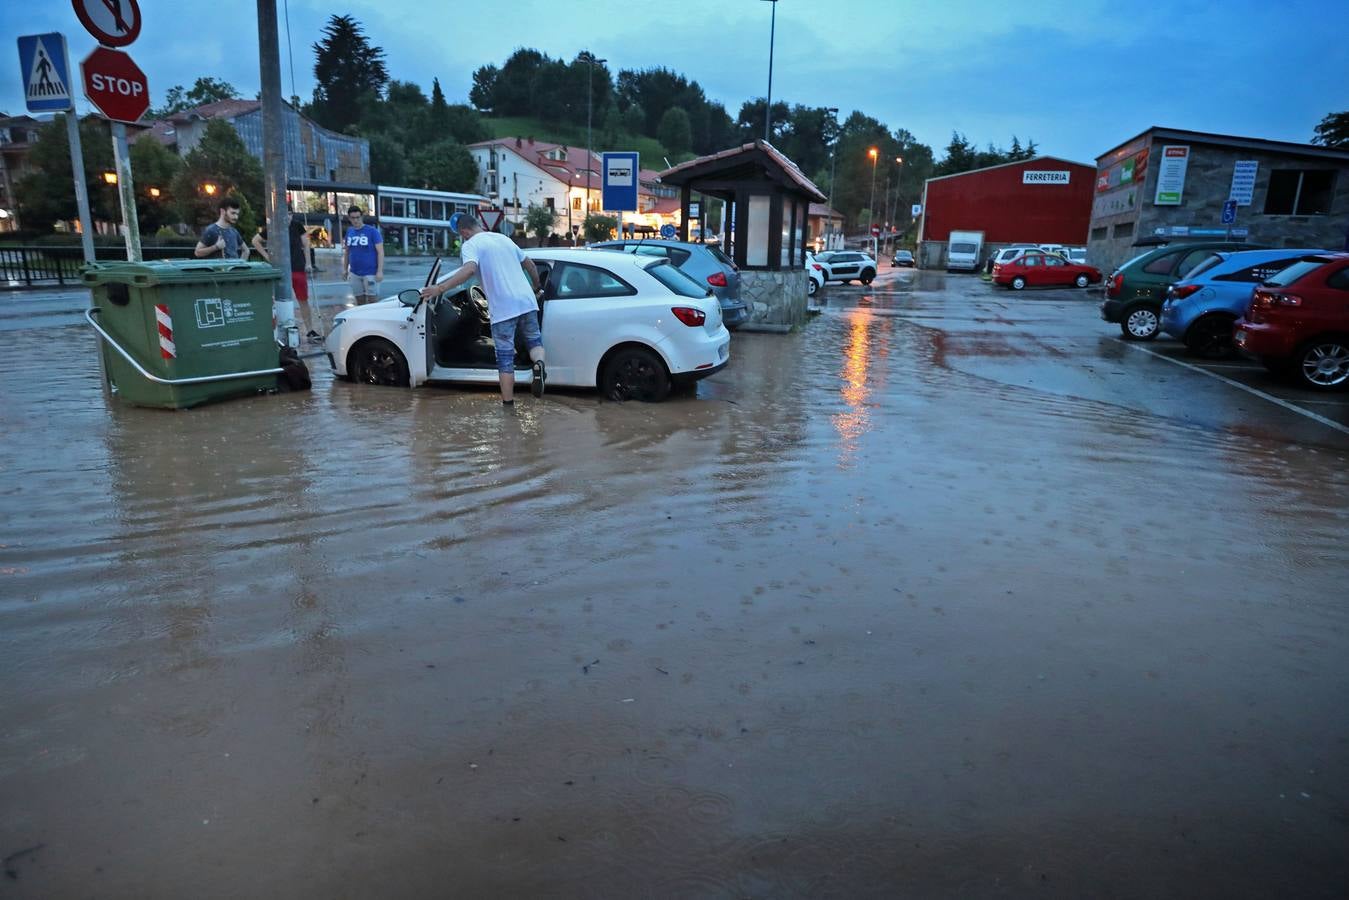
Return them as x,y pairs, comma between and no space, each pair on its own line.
362,257
511,283
299,281
221,238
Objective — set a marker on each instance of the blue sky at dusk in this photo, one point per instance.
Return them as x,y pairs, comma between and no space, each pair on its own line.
1078,77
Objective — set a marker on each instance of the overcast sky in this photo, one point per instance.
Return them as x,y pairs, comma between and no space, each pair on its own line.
1079,76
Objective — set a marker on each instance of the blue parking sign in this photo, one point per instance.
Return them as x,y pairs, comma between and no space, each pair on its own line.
1230,212
620,174
46,72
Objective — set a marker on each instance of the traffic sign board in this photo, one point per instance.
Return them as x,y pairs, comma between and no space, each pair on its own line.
667,231
115,23
491,218
115,85
875,229
1230,212
46,72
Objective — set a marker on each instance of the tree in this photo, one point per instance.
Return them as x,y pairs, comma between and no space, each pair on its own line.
675,131
611,132
539,222
597,227
45,195
960,156
750,122
1333,130
483,93
204,90
634,120
388,162
154,166
443,166
512,90
347,68
220,159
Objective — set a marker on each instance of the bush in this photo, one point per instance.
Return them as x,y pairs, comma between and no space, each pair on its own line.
599,228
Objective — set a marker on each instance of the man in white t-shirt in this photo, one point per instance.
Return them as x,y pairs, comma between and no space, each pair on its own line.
511,283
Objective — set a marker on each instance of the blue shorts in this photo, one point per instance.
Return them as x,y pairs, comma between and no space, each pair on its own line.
503,333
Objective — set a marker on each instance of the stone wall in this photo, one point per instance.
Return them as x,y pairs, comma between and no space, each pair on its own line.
776,300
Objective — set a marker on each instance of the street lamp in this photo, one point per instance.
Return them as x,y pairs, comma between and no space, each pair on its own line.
154,192
871,212
209,189
833,164
109,177
590,99
768,106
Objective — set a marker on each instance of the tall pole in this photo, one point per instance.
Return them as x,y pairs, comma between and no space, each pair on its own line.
126,193
81,188
274,164
768,107
590,97
833,168
871,212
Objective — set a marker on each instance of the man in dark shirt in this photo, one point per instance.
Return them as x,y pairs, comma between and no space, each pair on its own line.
221,238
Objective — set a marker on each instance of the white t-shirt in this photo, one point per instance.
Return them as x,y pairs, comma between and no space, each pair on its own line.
507,286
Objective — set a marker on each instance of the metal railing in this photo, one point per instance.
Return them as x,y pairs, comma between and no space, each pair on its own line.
37,264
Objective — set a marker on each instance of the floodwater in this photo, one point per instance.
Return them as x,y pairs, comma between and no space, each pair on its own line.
900,605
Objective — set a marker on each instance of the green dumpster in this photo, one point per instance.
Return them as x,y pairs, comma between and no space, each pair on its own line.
178,333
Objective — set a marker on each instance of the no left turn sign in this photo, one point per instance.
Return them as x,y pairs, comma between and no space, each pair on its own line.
113,23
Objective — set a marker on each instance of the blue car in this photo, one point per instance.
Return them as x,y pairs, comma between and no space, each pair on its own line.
1202,308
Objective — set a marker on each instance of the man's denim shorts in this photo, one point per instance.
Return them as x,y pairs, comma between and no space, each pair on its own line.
503,333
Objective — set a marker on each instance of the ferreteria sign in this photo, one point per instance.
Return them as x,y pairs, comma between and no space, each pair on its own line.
1031,176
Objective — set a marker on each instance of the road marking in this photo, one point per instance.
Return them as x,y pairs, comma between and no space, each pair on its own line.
1329,423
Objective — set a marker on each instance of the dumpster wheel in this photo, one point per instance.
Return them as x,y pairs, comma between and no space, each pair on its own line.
377,361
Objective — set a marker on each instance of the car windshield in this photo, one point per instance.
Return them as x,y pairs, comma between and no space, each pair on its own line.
1295,271
675,280
721,257
1208,263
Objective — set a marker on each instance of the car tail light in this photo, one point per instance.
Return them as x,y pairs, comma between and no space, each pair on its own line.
817,267
1181,291
717,279
1115,286
1271,299
689,316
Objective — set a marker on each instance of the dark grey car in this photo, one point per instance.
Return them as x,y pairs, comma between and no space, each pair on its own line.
705,263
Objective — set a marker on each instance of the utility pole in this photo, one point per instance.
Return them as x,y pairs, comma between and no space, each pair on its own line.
126,192
590,101
274,166
833,169
768,107
871,204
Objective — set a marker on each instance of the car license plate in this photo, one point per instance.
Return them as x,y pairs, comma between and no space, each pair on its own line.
723,351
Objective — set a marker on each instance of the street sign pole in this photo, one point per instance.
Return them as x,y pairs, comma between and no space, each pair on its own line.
81,186
274,165
126,193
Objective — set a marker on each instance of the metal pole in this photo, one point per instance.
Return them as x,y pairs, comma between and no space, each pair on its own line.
768,107
871,212
126,193
274,170
81,188
590,153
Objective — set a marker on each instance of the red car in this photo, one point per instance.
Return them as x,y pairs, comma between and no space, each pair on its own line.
1298,322
1036,269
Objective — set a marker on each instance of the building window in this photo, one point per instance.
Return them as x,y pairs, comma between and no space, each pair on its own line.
412,209
576,203
385,206
1124,230
1299,192
398,206
1100,234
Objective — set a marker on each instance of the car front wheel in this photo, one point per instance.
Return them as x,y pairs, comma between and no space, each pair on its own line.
1323,364
377,361
1018,283
635,373
1140,324
868,276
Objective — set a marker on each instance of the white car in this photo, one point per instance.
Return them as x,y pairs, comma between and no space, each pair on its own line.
632,326
847,265
814,272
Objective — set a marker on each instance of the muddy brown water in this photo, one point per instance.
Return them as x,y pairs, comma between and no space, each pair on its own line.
846,622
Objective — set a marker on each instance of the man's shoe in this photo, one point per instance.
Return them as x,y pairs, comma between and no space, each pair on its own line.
540,376
314,335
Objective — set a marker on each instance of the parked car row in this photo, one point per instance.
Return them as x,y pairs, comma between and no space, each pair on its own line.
1288,307
1076,255
1025,268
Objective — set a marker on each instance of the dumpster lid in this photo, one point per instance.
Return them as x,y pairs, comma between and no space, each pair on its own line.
177,271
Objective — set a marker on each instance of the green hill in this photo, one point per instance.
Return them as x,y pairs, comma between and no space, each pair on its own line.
651,152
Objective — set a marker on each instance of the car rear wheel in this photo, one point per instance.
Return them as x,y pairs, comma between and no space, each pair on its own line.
813,287
377,361
1140,324
867,276
1082,281
635,373
1210,337
1018,283
1323,364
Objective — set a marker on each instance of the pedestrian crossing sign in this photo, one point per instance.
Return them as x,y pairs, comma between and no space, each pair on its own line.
46,72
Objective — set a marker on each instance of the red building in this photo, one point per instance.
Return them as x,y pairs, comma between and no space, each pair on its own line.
1045,200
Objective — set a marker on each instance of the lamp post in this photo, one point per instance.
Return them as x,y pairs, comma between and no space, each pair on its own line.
892,209
590,98
871,211
833,168
768,106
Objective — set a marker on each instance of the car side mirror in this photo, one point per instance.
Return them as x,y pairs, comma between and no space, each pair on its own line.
410,297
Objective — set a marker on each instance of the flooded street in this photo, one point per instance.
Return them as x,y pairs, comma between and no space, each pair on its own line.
950,594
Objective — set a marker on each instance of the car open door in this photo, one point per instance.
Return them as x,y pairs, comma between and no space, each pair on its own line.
419,349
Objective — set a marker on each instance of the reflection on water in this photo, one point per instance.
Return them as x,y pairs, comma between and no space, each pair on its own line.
851,422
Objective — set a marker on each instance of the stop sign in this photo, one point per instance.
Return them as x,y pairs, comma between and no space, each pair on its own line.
115,85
